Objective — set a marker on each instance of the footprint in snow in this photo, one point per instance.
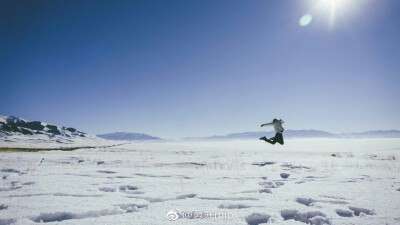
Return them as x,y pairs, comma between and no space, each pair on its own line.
285,175
271,184
361,211
344,213
257,218
313,217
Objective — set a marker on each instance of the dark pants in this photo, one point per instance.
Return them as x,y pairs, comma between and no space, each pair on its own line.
278,138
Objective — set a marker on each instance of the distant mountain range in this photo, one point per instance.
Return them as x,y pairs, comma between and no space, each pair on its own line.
373,134
303,134
125,136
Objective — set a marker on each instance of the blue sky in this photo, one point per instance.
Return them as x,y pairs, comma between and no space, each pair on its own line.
198,68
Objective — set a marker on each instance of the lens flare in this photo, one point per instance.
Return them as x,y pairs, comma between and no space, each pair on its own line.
305,20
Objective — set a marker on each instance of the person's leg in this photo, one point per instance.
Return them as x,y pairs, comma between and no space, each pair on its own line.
272,140
279,138
263,138
267,140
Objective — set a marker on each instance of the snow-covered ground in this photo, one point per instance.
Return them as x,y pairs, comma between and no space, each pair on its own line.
226,182
44,141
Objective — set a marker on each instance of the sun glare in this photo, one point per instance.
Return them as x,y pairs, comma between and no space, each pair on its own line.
334,9
330,7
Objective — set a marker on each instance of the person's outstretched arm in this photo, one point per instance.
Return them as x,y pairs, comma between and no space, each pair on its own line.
267,124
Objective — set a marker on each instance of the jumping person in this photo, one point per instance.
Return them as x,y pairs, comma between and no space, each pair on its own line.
277,124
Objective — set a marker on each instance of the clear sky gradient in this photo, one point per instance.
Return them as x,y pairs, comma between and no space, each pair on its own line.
198,68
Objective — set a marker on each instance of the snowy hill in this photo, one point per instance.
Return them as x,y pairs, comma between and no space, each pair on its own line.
11,125
15,131
127,136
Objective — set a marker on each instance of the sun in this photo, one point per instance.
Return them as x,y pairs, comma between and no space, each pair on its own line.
333,9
